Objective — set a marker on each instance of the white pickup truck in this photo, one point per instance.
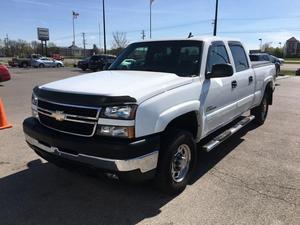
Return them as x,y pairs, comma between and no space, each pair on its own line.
143,117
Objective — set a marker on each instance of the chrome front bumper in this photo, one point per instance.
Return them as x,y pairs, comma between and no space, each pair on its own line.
143,163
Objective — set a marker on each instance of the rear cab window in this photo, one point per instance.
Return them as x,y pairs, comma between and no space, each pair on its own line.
239,56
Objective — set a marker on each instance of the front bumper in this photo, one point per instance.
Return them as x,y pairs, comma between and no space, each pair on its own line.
140,155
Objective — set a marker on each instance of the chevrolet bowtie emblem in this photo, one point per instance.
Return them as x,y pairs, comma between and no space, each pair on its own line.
59,115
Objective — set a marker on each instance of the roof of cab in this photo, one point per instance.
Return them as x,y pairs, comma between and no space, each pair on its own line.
195,38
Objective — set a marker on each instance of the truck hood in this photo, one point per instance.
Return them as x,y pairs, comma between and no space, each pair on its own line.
136,84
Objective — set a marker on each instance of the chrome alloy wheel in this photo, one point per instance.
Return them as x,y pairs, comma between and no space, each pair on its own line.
181,163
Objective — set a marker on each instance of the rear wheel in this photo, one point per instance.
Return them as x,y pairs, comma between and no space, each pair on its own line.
177,161
24,65
41,65
260,112
58,65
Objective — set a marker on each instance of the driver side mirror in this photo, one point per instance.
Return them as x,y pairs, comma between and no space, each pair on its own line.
220,70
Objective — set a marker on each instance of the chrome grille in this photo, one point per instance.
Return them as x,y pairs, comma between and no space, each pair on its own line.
71,119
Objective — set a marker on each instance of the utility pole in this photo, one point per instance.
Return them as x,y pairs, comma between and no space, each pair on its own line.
216,18
143,34
84,43
104,29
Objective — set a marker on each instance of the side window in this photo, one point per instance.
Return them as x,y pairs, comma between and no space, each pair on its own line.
217,54
266,58
239,57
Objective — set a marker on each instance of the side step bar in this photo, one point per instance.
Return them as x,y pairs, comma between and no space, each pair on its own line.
226,134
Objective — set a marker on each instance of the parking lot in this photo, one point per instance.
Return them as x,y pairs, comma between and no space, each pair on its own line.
253,178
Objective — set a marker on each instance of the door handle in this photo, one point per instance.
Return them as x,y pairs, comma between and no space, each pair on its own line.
234,84
250,79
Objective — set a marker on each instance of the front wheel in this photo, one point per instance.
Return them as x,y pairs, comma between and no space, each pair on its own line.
41,66
260,112
177,161
58,65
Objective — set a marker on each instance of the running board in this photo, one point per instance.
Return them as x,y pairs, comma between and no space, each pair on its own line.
226,134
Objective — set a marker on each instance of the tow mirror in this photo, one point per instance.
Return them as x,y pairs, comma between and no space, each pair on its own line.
220,70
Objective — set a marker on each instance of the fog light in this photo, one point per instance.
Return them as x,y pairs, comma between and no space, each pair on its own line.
34,113
116,131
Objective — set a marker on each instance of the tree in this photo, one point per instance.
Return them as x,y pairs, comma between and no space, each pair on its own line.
119,40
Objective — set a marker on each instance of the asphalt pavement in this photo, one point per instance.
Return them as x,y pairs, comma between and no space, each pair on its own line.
252,178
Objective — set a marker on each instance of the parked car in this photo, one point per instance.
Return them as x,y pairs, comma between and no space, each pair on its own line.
298,72
84,64
58,57
4,73
47,62
268,58
145,121
98,62
24,62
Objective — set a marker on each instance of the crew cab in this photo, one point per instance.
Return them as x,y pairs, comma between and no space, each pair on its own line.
142,118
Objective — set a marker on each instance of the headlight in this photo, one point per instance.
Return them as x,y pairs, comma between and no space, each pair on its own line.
34,103
126,112
34,99
116,131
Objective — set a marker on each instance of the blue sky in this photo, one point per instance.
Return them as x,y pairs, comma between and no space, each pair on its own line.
272,20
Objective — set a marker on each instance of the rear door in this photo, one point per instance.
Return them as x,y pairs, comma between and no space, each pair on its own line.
245,77
219,94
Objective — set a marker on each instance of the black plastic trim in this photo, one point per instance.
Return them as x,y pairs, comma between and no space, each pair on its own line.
111,148
81,99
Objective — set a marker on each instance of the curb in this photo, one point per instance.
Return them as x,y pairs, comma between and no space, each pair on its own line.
283,77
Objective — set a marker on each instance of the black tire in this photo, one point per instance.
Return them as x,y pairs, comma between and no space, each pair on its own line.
58,65
260,112
168,158
277,72
94,70
24,65
83,68
41,65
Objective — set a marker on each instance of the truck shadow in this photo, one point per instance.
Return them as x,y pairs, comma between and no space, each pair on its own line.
45,194
207,161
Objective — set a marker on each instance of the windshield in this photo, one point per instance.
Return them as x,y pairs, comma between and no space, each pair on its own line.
180,57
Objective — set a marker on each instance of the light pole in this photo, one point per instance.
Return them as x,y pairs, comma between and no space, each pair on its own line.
279,44
216,18
104,29
74,16
260,44
151,1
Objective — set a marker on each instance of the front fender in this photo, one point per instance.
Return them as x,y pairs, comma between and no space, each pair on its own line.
172,113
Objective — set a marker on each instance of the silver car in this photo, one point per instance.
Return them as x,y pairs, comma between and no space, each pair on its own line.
47,62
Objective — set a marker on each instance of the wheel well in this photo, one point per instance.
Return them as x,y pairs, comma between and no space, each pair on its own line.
187,122
269,92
